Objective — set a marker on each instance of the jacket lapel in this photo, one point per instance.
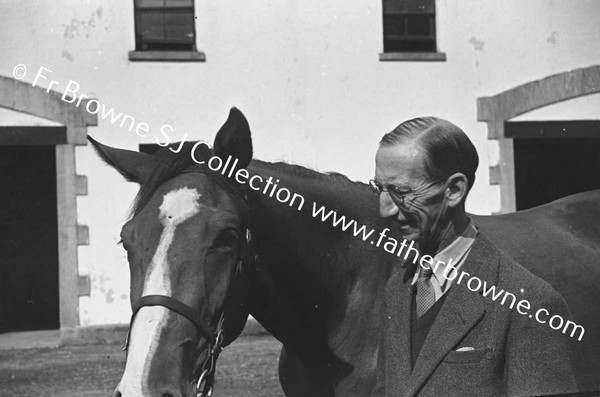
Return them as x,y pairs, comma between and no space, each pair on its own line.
459,314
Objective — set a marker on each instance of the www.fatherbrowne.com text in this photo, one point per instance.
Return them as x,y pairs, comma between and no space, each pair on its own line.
271,188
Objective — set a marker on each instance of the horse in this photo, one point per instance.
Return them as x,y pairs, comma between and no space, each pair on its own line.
209,246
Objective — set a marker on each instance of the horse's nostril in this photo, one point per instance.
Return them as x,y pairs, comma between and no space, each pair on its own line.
118,394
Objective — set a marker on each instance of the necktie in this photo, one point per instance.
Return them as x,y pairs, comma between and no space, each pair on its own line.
425,291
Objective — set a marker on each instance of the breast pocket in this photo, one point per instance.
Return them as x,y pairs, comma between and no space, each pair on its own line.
468,357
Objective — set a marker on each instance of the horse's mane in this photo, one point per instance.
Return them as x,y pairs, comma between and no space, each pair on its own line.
307,173
171,164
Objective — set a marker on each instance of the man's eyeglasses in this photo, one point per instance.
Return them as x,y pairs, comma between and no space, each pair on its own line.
399,195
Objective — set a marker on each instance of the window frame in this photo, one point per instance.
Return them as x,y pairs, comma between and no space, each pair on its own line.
164,54
408,55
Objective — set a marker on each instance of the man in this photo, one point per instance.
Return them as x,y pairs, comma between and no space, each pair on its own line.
438,337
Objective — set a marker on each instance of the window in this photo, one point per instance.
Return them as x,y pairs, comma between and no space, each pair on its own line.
164,30
409,29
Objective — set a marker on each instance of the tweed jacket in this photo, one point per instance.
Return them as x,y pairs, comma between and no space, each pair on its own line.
478,346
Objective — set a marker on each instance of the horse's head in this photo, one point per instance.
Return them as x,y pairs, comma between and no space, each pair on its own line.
185,243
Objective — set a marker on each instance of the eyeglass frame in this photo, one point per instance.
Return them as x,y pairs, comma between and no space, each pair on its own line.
399,198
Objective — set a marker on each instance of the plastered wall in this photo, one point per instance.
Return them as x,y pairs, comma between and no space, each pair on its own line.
307,76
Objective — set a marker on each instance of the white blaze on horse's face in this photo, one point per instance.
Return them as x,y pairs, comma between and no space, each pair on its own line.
177,207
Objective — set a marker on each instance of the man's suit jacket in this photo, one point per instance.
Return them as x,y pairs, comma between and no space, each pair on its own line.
513,354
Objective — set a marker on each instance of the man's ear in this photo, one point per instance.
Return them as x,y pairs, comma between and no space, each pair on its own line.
457,189
234,139
134,166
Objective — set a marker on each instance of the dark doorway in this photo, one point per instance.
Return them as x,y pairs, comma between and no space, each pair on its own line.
28,239
554,159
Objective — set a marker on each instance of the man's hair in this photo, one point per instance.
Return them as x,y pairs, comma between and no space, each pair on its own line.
446,147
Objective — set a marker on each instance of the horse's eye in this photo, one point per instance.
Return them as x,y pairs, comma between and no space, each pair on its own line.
226,239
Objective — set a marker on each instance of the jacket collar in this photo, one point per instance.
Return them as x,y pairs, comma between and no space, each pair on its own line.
452,256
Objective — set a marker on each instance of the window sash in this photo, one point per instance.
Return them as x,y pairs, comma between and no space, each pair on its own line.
163,4
409,26
406,26
160,24
409,6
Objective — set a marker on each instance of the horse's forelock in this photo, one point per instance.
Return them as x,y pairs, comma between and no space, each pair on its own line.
170,164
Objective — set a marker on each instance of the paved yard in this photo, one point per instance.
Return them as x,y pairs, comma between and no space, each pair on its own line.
246,368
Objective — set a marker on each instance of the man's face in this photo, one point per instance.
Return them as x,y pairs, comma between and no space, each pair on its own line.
422,217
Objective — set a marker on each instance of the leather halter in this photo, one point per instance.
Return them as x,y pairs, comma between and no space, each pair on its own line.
178,307
214,337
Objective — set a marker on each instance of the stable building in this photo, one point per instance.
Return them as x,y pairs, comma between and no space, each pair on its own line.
319,83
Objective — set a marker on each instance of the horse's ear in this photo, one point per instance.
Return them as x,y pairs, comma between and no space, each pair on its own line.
134,166
234,139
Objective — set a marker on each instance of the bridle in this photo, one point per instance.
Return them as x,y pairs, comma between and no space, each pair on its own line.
215,338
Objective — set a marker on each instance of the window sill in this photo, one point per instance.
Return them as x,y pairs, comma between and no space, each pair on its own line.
166,56
412,56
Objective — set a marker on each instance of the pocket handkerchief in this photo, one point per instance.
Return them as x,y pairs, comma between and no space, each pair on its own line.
465,349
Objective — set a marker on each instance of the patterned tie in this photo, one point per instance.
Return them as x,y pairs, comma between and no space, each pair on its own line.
425,291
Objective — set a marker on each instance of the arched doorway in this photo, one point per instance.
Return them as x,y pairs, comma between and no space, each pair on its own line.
57,144
498,109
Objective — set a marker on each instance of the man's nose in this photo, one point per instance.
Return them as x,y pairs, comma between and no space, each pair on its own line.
387,206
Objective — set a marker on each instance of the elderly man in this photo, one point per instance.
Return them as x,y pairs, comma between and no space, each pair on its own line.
439,338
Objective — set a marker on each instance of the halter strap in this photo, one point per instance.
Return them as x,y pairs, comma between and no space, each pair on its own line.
177,307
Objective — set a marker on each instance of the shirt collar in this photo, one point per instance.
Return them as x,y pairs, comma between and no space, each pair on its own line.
453,254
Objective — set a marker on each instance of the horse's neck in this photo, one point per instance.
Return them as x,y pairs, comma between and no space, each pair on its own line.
302,232
312,275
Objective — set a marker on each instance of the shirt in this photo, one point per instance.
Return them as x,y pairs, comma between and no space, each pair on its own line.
454,255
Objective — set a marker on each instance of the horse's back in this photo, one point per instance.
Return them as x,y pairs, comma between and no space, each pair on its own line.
560,243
